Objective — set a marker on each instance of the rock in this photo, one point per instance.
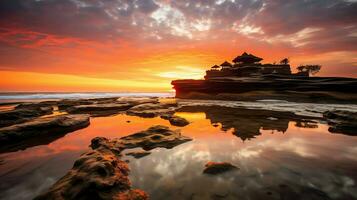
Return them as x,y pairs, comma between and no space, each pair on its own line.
48,126
175,120
99,109
138,154
137,100
218,167
97,174
152,109
32,105
178,121
156,136
22,114
342,121
66,103
100,174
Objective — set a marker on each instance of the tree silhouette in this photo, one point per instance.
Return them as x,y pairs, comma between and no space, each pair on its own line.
311,69
285,61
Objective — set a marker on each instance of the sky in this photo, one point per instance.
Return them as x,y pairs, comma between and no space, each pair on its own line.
141,45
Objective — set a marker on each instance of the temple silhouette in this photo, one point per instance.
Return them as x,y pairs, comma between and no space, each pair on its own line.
248,65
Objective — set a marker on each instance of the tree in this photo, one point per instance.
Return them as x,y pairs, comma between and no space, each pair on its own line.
285,61
311,69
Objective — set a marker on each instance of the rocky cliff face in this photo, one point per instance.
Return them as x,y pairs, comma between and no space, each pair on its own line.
303,89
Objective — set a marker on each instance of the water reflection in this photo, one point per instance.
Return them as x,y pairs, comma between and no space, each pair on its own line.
248,123
303,163
306,162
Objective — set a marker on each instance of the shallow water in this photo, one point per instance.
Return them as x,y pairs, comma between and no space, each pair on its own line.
277,159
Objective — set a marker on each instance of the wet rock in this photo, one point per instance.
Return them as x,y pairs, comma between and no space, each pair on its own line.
218,167
36,105
178,121
175,120
138,154
48,126
22,114
156,136
152,109
138,100
100,174
340,121
66,103
97,174
99,109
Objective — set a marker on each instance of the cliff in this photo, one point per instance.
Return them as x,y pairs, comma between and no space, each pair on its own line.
292,88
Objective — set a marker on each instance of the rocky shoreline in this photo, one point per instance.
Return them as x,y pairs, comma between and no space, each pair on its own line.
297,89
101,173
20,127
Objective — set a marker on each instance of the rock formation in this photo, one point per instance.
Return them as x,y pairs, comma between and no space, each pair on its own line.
99,109
152,109
218,168
47,127
342,121
22,114
156,136
100,174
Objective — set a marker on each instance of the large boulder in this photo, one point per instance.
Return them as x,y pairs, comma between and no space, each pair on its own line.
46,126
97,174
341,121
100,174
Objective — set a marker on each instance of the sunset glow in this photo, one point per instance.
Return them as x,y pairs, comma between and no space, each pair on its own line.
141,45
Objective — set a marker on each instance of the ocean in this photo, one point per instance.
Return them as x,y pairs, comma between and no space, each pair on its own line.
39,96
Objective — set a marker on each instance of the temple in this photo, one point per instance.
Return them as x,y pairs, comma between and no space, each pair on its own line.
247,79
248,65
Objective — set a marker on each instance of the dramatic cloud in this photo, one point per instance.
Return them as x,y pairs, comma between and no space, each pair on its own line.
120,36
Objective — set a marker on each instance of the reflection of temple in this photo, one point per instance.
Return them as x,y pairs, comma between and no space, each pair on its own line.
249,65
245,123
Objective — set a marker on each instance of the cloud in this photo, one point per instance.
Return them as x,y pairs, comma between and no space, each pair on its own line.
106,35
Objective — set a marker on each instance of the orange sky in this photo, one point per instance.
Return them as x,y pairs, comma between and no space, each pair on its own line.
138,46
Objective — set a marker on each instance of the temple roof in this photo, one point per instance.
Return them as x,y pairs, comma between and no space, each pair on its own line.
227,64
247,58
215,67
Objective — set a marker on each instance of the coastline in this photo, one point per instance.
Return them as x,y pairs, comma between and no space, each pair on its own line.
246,116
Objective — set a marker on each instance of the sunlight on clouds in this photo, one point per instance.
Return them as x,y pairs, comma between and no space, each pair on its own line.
177,22
183,72
297,39
172,18
247,29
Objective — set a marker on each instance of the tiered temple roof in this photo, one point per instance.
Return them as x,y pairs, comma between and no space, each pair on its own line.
226,64
215,67
247,58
